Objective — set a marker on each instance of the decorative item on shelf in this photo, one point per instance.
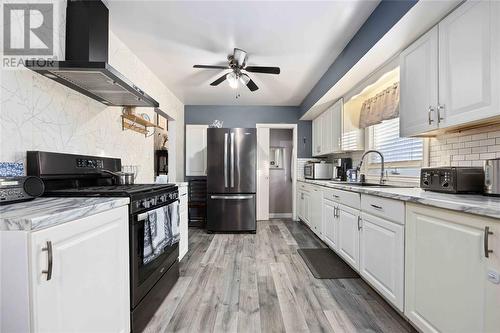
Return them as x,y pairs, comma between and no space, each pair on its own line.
216,124
161,162
137,123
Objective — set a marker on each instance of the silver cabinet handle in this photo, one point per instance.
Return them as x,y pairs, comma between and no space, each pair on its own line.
375,206
431,109
231,197
439,109
232,159
48,248
360,225
487,233
225,161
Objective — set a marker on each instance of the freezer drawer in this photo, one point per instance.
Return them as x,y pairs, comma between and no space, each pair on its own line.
231,212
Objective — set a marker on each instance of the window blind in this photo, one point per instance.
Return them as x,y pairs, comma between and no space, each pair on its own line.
395,149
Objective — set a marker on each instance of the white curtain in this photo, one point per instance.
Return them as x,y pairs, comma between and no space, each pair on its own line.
383,106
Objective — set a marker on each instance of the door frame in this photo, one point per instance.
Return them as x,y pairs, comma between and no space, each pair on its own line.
293,127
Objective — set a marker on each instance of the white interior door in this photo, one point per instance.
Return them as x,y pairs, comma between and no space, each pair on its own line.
263,173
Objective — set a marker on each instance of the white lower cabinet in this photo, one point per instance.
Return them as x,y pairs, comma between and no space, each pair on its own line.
447,269
382,257
303,210
183,221
88,286
314,216
349,225
330,224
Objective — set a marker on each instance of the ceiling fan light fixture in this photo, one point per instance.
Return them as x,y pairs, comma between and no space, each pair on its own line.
232,79
244,79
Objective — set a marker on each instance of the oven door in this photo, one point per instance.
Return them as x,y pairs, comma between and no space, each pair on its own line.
145,273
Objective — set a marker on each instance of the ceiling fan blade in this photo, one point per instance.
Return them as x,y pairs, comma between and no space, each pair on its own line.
262,69
211,67
219,80
250,84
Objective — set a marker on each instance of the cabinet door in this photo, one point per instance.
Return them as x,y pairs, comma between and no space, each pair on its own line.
315,210
316,129
419,85
307,208
330,224
352,137
326,132
336,125
196,150
446,283
300,204
382,257
183,229
349,235
469,63
89,287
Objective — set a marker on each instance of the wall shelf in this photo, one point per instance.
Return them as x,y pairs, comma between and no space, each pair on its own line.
137,124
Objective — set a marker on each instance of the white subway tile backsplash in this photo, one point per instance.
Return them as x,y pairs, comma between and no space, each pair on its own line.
467,148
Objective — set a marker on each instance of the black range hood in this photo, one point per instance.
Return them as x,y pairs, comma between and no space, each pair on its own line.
86,68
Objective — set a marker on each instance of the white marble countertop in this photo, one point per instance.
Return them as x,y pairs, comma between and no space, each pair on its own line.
469,203
42,213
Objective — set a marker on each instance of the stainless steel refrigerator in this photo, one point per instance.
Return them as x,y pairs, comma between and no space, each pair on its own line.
231,178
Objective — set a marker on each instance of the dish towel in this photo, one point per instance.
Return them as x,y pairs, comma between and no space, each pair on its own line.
175,220
157,233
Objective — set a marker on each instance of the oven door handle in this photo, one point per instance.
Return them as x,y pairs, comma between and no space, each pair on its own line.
231,197
143,216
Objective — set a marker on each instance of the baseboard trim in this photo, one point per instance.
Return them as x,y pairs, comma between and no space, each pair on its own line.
280,215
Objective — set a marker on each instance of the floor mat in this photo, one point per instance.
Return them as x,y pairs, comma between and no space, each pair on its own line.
326,264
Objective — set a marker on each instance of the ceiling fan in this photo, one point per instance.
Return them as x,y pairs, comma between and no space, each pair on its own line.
237,64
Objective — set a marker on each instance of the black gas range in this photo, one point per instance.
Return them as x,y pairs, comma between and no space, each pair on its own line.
64,175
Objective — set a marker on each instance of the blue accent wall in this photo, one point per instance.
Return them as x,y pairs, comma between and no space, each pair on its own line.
248,116
382,19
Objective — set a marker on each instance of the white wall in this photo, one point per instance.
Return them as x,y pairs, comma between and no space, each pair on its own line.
39,114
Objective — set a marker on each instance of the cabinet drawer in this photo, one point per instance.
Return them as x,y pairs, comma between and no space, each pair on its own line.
304,187
350,199
389,209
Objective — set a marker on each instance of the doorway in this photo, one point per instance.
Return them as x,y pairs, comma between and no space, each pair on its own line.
276,171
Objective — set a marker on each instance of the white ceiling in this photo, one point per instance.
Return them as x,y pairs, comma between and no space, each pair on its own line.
303,38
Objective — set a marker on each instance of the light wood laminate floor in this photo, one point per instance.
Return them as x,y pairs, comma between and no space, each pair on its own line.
259,283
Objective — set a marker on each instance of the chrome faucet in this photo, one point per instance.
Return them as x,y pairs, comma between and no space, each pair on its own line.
382,180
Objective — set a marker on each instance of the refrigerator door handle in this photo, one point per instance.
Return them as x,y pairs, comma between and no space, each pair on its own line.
231,197
232,159
225,161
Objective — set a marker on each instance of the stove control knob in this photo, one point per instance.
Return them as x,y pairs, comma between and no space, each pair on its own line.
163,198
145,204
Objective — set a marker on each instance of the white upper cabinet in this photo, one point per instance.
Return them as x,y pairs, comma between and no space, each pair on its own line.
316,140
469,63
419,85
450,76
352,137
196,150
328,132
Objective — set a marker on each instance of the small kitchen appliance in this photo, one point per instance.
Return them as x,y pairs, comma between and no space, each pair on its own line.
492,177
15,189
318,170
340,167
151,279
452,179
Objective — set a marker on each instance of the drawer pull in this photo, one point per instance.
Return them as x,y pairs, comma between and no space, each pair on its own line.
487,233
48,248
375,206
335,196
360,225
